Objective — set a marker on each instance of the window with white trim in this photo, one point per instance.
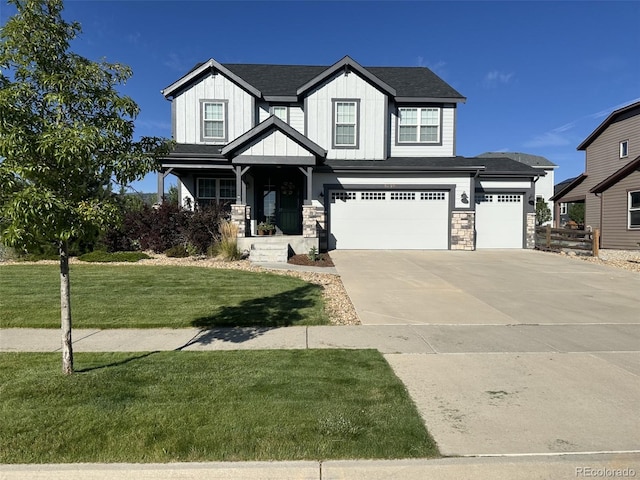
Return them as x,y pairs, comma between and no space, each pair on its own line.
213,118
345,128
563,208
634,209
209,190
280,111
624,149
419,125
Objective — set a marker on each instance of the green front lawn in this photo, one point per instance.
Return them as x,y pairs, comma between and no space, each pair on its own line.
136,296
206,406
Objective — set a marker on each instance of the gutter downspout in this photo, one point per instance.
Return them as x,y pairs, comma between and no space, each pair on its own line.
600,222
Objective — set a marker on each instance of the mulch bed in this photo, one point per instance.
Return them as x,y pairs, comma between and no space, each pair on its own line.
324,260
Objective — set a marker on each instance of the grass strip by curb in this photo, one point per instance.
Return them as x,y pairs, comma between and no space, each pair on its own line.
206,406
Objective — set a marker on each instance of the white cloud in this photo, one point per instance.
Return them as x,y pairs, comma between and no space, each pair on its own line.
495,78
438,67
609,110
176,62
548,139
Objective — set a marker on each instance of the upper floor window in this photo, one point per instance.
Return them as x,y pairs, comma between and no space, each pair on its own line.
634,209
280,111
214,117
345,123
624,149
419,125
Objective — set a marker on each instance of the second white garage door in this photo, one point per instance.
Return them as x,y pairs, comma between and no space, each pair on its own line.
499,220
389,220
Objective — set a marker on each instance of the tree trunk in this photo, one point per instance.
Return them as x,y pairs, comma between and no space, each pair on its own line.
65,310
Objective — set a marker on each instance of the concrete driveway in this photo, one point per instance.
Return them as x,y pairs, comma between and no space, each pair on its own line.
529,353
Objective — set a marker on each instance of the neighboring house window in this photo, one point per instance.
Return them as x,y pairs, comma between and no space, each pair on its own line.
563,209
419,125
281,111
213,120
345,123
634,209
624,149
210,190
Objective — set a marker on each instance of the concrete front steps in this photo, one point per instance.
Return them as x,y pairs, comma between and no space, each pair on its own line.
276,248
269,252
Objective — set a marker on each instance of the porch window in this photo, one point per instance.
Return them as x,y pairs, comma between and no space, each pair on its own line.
221,190
634,209
345,123
419,125
214,115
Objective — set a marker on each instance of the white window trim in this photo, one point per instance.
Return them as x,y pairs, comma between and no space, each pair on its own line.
418,124
356,124
631,209
563,208
272,111
624,145
225,131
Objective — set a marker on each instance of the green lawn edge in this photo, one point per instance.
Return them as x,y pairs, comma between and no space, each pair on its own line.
207,406
137,296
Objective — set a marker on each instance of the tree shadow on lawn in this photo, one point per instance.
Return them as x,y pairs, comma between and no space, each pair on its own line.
281,310
254,317
116,364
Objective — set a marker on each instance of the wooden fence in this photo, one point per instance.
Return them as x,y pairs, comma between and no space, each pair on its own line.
548,238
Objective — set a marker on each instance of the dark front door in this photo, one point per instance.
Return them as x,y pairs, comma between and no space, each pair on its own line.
280,200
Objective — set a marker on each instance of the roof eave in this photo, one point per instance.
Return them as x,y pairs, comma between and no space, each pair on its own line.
211,64
355,66
577,181
611,180
430,99
603,126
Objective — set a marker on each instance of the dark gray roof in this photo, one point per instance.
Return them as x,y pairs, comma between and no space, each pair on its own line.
284,80
526,158
485,165
557,188
196,149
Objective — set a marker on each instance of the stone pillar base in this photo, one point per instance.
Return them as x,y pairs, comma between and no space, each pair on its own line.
531,230
462,230
313,221
240,215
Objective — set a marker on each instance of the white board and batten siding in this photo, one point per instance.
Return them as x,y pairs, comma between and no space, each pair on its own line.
371,118
296,115
188,117
447,132
276,144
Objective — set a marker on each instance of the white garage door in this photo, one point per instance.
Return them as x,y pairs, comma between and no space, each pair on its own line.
389,220
499,220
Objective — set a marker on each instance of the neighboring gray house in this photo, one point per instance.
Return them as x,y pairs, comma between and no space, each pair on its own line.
544,186
562,209
610,185
342,157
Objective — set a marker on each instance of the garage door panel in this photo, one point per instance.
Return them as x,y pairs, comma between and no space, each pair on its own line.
389,220
499,220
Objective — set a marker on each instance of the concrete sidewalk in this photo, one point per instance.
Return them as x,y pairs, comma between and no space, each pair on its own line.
502,468
408,339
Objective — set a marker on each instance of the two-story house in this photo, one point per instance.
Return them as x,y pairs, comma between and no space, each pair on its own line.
342,157
610,184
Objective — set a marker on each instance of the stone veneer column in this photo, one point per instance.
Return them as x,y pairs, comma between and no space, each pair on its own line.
313,221
240,215
531,230
462,227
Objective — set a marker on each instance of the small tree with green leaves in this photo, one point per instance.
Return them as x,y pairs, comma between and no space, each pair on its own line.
576,212
543,212
66,135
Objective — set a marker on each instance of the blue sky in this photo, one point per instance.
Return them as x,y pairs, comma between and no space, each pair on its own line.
539,76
